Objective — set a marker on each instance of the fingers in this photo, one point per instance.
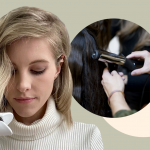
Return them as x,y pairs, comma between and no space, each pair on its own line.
105,73
139,54
138,72
114,73
123,78
121,75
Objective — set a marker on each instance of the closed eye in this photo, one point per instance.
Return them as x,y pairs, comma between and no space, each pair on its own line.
37,72
32,71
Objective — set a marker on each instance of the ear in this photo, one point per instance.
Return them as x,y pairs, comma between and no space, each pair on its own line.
58,68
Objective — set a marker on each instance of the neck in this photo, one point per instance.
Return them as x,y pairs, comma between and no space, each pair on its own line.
29,120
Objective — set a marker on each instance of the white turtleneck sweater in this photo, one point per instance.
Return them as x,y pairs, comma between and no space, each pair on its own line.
52,133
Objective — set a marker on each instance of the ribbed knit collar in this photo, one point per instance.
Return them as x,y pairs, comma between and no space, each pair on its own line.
39,129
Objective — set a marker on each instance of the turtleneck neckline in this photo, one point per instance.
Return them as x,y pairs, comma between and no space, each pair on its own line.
40,128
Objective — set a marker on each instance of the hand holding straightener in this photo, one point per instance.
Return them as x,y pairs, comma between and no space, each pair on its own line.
141,55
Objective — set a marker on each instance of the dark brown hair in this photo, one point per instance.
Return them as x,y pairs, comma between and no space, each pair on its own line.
87,74
128,28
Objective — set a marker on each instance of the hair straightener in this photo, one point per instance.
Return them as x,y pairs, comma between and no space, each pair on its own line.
114,60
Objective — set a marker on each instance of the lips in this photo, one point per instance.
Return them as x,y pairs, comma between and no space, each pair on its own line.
24,100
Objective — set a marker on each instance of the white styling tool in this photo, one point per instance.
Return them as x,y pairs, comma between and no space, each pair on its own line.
5,119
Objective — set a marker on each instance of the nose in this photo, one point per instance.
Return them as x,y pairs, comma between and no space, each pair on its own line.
23,83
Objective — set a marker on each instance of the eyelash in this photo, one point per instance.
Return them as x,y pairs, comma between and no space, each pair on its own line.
34,72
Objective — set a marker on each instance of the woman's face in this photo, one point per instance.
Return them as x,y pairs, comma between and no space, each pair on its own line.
33,77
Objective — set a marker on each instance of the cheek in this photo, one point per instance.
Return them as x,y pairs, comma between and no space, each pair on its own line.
41,86
10,89
45,83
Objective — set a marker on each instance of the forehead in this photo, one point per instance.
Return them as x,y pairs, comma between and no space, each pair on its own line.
26,50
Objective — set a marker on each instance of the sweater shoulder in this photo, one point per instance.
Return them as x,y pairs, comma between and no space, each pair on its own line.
83,126
90,133
81,130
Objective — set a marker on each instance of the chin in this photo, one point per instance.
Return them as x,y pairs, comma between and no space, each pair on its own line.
25,113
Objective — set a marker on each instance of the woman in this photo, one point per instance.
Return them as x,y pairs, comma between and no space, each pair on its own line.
36,84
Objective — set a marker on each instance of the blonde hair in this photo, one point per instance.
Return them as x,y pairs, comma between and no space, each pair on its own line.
36,23
128,28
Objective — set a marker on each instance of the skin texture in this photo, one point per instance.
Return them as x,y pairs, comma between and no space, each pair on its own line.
25,83
117,101
141,55
111,82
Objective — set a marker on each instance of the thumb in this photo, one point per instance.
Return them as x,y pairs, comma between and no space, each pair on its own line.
138,72
105,73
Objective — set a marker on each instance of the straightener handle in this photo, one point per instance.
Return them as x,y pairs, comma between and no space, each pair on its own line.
137,63
129,65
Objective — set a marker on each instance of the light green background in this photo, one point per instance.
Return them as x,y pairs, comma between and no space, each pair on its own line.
78,14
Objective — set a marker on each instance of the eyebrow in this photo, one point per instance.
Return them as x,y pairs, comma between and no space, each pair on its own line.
36,61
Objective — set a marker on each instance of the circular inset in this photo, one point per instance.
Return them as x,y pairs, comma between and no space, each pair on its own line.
107,43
